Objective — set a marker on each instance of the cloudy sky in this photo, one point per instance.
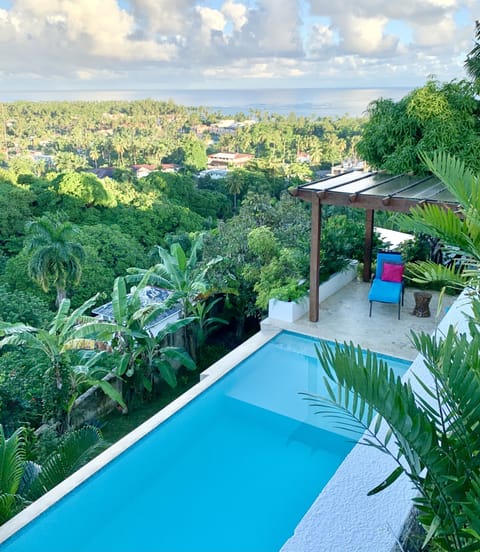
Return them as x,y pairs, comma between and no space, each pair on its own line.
160,44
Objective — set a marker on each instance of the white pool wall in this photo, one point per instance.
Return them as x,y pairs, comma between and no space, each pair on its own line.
343,518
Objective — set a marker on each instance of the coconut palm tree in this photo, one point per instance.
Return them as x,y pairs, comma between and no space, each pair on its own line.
235,185
56,257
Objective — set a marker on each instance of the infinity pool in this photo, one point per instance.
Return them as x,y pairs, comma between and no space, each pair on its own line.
233,471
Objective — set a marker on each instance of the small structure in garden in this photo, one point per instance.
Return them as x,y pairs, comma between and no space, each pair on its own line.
150,295
370,191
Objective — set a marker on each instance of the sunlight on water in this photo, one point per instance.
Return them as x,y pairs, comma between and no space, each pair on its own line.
319,102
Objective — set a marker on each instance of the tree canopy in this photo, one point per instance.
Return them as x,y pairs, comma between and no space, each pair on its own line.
434,117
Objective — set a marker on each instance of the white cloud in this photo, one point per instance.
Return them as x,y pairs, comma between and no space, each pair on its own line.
236,13
198,42
212,20
366,36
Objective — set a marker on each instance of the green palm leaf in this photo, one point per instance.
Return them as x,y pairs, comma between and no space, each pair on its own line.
75,450
12,465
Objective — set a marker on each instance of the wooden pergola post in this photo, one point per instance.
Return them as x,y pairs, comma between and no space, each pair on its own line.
367,256
316,230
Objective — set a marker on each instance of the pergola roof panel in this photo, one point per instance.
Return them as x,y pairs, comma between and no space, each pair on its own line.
373,190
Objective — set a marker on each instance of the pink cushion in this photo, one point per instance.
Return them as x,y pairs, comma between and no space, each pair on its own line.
392,272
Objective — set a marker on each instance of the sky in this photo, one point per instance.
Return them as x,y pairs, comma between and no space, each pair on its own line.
225,44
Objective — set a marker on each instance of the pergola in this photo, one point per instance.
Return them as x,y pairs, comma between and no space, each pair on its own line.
372,191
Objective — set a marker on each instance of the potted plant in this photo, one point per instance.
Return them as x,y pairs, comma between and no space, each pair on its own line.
288,302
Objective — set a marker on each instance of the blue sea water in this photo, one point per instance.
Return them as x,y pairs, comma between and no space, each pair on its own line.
233,471
318,102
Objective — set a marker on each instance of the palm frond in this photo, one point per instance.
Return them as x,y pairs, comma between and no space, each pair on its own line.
76,449
427,272
458,178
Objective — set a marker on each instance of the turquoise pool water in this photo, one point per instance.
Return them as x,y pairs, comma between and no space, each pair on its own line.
233,471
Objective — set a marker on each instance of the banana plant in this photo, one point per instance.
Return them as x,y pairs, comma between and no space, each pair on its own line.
62,347
180,273
186,277
142,356
205,323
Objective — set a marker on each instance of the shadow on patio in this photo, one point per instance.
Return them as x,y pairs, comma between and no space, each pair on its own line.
344,317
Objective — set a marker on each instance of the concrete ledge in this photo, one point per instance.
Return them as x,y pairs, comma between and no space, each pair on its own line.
343,517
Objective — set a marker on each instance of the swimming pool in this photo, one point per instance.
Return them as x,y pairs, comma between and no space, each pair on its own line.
232,471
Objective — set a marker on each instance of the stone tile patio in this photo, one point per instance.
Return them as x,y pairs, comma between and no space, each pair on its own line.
344,317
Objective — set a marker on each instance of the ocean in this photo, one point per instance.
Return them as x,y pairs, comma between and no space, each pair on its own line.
318,102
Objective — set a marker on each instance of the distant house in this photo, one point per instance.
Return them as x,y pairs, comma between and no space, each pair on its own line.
170,167
150,295
303,157
141,171
40,157
225,126
214,174
225,160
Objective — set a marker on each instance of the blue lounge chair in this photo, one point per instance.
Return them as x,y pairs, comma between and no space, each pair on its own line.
383,289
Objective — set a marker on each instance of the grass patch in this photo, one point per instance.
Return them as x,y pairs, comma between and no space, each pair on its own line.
116,425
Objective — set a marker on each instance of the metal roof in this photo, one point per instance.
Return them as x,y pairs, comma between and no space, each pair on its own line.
379,191
150,295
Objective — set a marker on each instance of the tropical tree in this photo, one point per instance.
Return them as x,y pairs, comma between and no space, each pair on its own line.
71,355
69,161
56,258
432,438
185,276
85,187
204,323
12,465
431,118
74,450
235,184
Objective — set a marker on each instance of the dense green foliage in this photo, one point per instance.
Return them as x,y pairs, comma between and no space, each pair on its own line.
64,231
434,117
79,135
